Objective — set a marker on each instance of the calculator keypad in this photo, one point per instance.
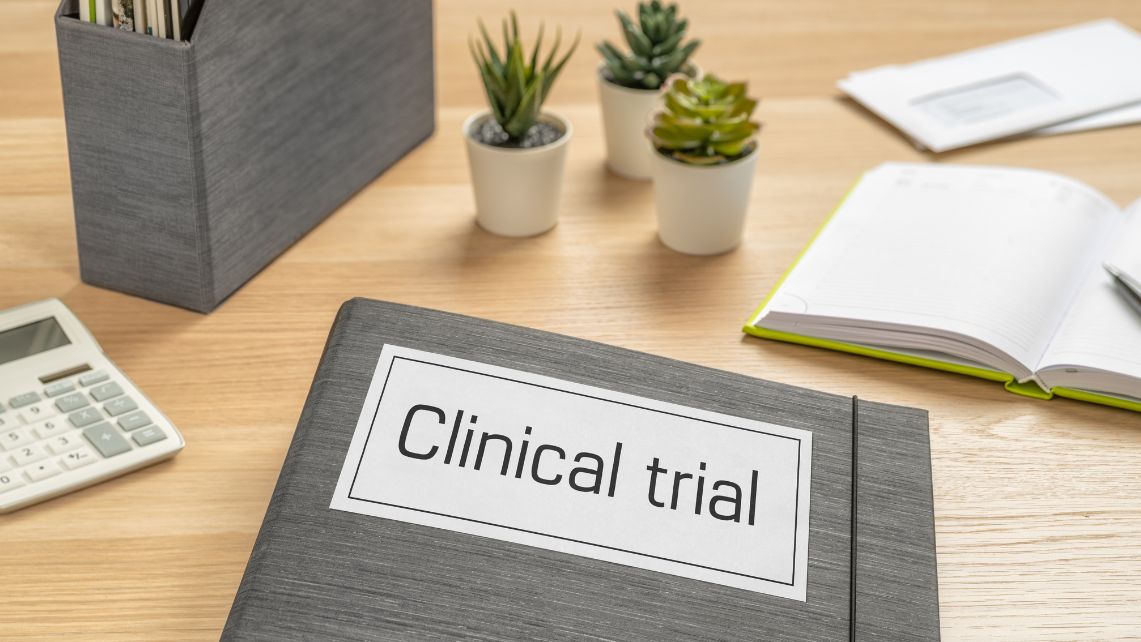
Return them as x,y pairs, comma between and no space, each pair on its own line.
72,424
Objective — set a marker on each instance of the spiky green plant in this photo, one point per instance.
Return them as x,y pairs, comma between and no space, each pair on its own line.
656,49
705,122
517,86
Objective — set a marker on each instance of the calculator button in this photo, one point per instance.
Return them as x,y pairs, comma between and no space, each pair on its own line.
10,481
148,436
43,470
50,428
77,458
25,399
9,422
15,438
106,391
92,377
133,421
36,412
106,439
84,417
25,455
72,402
5,464
58,388
116,407
64,443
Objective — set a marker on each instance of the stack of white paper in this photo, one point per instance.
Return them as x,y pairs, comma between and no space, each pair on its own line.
1061,81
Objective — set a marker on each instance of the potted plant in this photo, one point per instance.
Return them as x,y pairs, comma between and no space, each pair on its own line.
706,156
629,83
517,151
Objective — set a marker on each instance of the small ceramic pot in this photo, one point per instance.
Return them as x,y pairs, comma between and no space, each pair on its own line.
517,190
624,114
702,208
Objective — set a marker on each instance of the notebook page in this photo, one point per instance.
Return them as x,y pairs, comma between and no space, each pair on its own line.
986,252
1102,331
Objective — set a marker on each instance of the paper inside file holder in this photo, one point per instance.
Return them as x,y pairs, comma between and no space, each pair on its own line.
986,100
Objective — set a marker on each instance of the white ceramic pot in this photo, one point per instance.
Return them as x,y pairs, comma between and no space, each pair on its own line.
701,209
517,190
624,115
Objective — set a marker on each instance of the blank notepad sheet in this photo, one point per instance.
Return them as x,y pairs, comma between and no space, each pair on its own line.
989,253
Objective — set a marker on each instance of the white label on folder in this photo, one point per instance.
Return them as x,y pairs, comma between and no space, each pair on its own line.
530,459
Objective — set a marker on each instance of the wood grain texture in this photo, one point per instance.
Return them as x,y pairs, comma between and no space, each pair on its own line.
1037,512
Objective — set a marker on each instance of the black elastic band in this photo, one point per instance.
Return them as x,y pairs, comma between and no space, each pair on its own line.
855,487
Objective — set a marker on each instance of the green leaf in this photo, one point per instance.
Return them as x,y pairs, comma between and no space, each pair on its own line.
490,44
506,41
654,26
535,51
554,73
668,45
637,40
700,160
524,117
554,49
734,148
744,108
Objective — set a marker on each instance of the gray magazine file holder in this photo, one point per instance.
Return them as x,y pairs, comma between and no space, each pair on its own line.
321,574
196,163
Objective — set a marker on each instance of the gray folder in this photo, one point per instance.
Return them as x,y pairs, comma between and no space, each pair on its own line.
322,574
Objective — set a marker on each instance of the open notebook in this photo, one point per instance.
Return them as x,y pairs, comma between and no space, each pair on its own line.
987,271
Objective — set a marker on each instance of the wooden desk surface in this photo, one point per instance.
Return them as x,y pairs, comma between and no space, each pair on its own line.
1038,505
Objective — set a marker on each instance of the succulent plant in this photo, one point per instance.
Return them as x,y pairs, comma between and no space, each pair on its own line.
705,122
656,49
516,85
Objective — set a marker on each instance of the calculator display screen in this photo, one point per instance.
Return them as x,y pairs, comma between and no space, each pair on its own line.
30,339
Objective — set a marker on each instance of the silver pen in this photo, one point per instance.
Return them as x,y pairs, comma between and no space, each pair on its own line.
1130,288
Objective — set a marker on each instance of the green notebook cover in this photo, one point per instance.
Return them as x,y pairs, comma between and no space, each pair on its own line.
1008,381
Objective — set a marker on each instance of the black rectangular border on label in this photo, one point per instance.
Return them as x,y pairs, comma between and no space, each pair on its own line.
391,366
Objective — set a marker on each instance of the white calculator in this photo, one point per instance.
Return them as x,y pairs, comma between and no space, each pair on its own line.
68,417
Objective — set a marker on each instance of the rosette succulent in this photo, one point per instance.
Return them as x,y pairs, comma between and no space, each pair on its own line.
705,122
656,48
